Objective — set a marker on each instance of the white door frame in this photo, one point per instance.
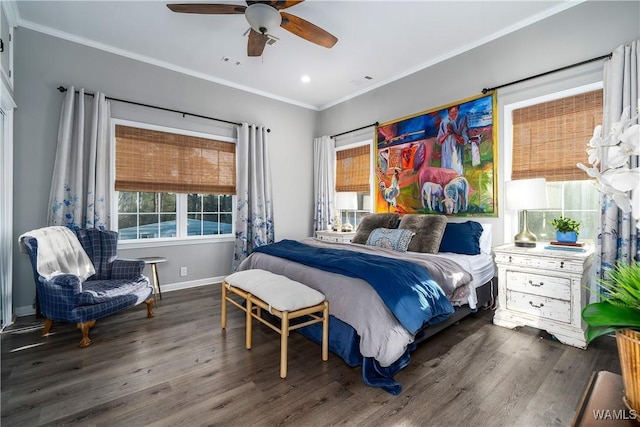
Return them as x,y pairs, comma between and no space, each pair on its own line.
7,105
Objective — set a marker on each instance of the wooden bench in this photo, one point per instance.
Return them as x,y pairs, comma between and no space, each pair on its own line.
283,298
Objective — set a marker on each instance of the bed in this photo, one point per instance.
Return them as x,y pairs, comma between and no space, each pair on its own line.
385,300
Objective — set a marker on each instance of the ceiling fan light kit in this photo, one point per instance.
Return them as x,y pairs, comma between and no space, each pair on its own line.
264,17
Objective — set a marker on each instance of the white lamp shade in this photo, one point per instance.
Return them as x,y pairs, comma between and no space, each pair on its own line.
526,194
262,18
347,200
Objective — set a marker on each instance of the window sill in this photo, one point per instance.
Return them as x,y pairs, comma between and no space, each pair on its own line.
155,243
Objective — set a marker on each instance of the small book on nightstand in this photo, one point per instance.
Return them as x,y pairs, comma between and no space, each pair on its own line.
572,248
572,244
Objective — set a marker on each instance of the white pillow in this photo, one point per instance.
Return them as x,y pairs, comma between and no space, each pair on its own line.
486,240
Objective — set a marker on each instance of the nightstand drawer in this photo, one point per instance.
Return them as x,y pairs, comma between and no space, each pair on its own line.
537,284
547,308
538,262
335,236
334,239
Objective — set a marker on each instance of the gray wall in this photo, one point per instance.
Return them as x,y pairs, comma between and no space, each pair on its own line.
42,63
582,32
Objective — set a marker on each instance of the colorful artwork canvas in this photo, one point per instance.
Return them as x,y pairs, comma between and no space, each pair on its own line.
439,161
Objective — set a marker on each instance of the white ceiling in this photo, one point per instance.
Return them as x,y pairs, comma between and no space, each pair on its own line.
385,40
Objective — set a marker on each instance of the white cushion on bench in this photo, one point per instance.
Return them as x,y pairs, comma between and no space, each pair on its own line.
278,291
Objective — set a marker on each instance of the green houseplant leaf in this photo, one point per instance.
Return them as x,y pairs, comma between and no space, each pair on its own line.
604,318
565,225
620,305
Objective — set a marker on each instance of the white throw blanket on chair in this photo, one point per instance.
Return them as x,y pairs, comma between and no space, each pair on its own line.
59,252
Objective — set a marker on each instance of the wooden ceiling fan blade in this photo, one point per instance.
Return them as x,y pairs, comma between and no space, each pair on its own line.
256,43
277,4
307,30
208,8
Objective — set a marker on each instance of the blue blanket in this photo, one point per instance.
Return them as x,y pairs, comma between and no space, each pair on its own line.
406,288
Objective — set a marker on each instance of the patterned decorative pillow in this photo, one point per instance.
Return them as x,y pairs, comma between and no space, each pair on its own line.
373,221
395,239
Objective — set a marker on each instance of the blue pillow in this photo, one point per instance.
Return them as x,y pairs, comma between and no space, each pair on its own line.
396,239
462,238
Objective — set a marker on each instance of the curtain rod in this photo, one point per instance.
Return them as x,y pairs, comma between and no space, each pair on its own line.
608,56
184,113
355,130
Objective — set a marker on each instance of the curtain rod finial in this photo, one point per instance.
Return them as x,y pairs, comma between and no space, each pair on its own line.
62,88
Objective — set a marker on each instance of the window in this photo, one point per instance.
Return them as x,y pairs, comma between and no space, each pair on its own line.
549,139
353,182
172,185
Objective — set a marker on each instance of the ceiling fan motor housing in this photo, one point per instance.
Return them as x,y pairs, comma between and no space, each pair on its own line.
262,18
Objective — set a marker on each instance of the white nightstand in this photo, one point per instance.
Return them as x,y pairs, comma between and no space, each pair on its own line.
335,236
544,289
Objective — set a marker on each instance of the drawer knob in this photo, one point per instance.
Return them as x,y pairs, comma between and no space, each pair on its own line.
561,264
509,259
537,285
535,306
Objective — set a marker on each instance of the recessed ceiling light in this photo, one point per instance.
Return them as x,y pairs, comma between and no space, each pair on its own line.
305,79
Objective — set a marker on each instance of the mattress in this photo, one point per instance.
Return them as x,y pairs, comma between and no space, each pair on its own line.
482,269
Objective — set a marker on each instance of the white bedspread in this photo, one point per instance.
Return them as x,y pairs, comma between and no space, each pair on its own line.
59,252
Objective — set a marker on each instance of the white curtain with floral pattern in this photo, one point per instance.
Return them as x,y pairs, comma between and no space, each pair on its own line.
618,238
254,210
324,182
80,191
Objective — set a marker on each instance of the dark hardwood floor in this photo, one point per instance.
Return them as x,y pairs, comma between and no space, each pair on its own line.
179,368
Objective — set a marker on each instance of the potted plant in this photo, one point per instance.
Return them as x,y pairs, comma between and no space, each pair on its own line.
567,229
619,312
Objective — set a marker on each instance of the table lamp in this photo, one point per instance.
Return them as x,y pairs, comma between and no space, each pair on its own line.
523,195
348,201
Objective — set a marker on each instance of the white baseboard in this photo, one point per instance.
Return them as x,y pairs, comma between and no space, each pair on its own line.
29,310
169,287
26,310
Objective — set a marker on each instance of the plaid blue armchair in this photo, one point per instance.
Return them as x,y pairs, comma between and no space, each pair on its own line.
117,284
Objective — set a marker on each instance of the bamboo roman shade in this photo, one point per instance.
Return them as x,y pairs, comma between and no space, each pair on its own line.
155,161
549,139
353,168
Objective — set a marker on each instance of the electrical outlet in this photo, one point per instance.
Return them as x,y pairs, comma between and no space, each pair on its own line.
183,271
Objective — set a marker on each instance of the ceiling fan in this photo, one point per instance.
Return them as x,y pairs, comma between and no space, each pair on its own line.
263,16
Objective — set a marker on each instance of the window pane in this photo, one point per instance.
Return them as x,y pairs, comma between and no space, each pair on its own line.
149,226
167,202
194,203
127,227
226,223
226,204
194,224
148,202
127,201
210,224
210,203
168,225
